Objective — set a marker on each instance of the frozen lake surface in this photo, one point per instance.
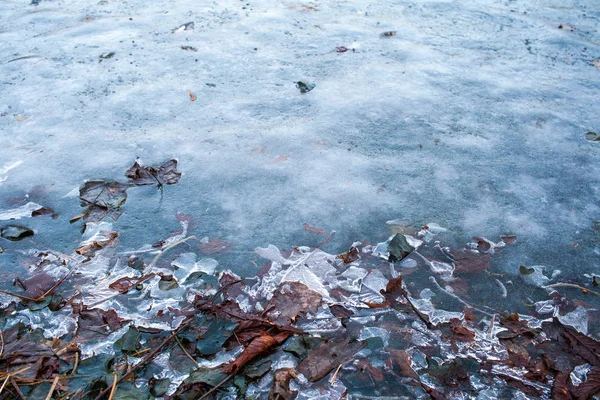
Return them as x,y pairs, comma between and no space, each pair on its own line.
471,115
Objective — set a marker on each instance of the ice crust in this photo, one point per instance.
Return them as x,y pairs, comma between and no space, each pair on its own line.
459,119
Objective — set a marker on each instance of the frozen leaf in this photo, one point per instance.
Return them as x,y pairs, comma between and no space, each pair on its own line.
129,342
341,49
399,248
23,211
340,311
281,159
189,48
256,369
167,282
292,300
509,239
104,194
159,387
590,387
592,136
403,360
89,248
471,262
15,232
281,385
258,346
305,86
388,34
350,256
192,95
460,332
218,330
215,246
328,356
596,63
188,26
165,174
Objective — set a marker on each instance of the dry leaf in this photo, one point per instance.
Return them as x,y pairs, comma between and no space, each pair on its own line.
192,95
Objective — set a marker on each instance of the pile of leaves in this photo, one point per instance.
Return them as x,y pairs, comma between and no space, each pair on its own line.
407,318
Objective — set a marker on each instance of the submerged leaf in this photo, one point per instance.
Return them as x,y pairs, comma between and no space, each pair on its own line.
328,356
399,248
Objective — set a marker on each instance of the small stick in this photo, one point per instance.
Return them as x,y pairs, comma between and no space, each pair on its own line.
570,285
4,384
211,391
184,350
2,348
169,247
76,363
334,377
149,357
54,383
19,392
113,389
326,240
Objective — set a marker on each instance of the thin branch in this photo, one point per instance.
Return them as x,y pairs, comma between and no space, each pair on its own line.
211,391
570,285
148,358
2,346
184,350
54,383
334,377
113,389
76,364
169,247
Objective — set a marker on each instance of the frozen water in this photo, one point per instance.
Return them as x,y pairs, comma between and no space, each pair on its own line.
472,116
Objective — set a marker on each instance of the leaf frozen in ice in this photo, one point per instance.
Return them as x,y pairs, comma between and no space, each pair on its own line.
165,174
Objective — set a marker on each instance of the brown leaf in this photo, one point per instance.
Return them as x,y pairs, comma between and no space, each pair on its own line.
509,239
281,159
471,262
460,332
291,300
529,390
403,360
375,373
350,256
281,385
340,312
165,174
89,249
329,355
482,244
192,95
590,387
560,387
258,346
312,229
215,246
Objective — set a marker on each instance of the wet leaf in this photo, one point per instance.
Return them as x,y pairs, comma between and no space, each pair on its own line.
104,194
350,256
257,369
399,248
165,174
592,136
129,342
215,246
403,360
292,300
218,330
471,262
305,86
340,311
15,233
328,356
258,346
590,387
281,385
89,249
167,282
523,270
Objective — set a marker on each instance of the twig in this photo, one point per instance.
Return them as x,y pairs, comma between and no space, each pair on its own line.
148,358
19,392
113,389
43,296
76,364
419,314
169,247
2,347
184,350
4,384
570,285
334,377
326,240
211,391
54,383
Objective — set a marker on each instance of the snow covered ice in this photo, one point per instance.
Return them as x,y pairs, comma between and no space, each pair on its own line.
472,116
